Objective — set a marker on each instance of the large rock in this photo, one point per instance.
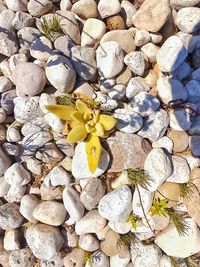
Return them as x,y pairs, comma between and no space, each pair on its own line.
45,241
171,54
152,15
176,245
10,217
133,151
112,212
188,19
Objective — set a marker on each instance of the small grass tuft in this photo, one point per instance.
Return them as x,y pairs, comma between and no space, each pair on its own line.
138,177
51,28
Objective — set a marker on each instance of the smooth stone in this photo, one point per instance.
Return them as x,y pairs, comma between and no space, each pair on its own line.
54,122
7,101
120,260
123,37
106,103
109,58
26,109
50,212
180,120
88,242
85,9
188,19
16,174
8,43
83,60
109,245
46,99
107,9
128,10
16,5
69,25
178,4
91,223
171,90
5,84
26,36
38,8
74,258
34,166
65,5
117,92
180,140
13,133
92,193
11,240
27,204
64,45
142,37
49,153
50,192
85,89
115,23
195,75
157,223
15,193
73,205
196,59
156,37
144,104
181,171
133,151
159,167
34,126
152,15
195,127
176,245
135,86
4,187
66,148
164,142
60,73
15,60
128,121
80,170
41,48
192,160
123,197
21,258
142,231
57,176
147,198
124,77
194,142
93,30
45,241
145,255
6,18
150,50
170,191
193,88
120,227
171,54
182,72
5,162
10,217
21,20
136,61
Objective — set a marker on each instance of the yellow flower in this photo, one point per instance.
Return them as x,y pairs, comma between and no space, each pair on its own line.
85,124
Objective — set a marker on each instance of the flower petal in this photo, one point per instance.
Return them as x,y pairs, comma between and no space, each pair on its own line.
89,129
93,150
82,107
61,111
107,121
78,133
77,116
99,130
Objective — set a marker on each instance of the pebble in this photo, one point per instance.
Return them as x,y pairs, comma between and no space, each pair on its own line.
121,198
194,142
88,242
45,241
180,140
93,30
38,8
34,126
109,58
182,72
91,223
21,20
16,174
195,59
50,192
16,5
13,133
150,50
15,193
128,121
15,60
180,120
64,45
85,9
144,104
187,19
145,255
152,15
164,142
41,48
92,193
5,84
109,245
135,86
147,198
178,4
117,92
48,153
75,257
8,43
4,187
5,162
193,88
57,176
7,101
171,90
107,9
115,23
50,212
6,18
65,5
194,75
124,39
10,217
142,37
60,73
83,60
73,205
11,240
156,37
106,103
136,61
172,243
21,258
80,170
128,10
26,109
124,77
2,134
181,171
120,260
171,54
54,122
157,223
27,205
133,151
159,167
26,36
46,99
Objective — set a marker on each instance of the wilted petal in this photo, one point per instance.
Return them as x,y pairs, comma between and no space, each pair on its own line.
78,133
93,150
107,121
61,111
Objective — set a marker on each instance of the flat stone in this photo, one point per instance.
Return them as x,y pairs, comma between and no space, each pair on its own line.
85,9
133,151
158,166
171,54
181,171
10,217
180,140
188,19
80,170
120,199
136,61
